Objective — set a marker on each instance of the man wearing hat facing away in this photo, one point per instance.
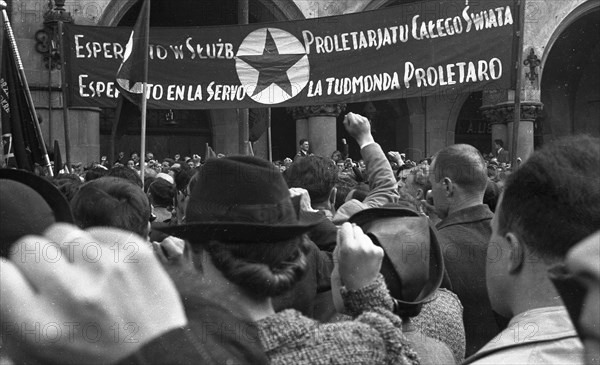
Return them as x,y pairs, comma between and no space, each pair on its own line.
248,246
29,204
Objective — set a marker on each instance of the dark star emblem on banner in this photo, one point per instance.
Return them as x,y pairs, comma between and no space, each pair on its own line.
272,65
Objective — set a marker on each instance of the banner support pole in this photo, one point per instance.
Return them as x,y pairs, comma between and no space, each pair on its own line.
144,101
63,87
269,140
143,134
243,113
22,78
519,67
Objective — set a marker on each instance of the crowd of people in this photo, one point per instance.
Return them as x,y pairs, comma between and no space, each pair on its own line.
457,258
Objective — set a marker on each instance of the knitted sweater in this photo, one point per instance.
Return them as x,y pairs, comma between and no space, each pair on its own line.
373,337
442,319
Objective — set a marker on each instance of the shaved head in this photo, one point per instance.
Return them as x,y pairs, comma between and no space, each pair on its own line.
464,165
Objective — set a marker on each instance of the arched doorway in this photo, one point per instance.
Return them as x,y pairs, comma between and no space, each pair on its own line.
570,79
168,132
471,127
389,124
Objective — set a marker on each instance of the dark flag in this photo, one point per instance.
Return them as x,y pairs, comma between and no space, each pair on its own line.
133,72
132,76
258,122
126,114
58,164
18,126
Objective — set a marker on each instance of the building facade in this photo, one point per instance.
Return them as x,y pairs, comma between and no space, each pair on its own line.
560,94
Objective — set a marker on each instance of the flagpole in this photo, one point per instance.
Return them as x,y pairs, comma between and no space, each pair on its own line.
269,141
143,136
144,101
63,83
243,113
519,67
21,72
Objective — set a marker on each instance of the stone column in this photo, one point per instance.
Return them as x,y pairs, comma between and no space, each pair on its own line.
530,111
317,124
502,118
225,131
301,129
41,58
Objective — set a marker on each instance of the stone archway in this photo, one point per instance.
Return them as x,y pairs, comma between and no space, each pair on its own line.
584,9
454,115
470,125
570,77
281,10
390,125
115,11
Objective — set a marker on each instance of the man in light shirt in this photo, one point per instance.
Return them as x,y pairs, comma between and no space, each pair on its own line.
549,204
583,261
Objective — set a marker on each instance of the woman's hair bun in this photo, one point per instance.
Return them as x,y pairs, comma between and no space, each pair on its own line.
263,269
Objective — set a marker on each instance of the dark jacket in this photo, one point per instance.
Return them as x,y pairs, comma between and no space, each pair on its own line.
502,156
464,238
301,154
213,335
324,234
317,279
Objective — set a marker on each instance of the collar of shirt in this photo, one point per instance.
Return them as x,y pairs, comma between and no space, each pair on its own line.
540,324
468,215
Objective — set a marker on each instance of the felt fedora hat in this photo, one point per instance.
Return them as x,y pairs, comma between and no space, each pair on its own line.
29,204
413,267
241,199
